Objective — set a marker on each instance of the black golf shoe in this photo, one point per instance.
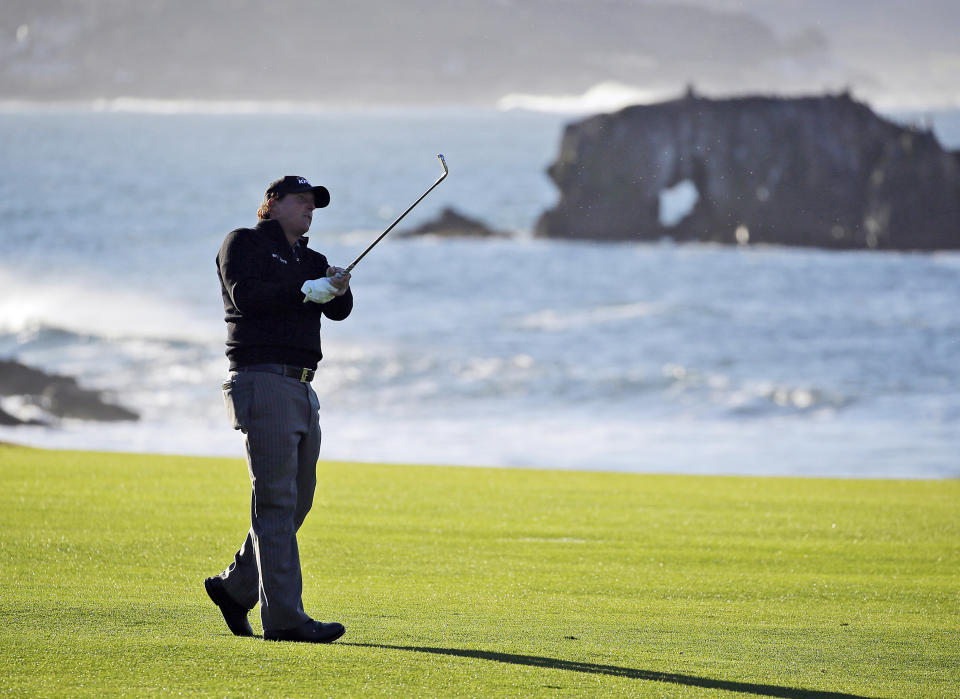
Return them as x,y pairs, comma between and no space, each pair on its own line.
234,614
308,632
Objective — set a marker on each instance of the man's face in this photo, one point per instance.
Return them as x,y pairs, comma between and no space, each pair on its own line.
294,213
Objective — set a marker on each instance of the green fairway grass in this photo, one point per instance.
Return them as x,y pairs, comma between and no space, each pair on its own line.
482,582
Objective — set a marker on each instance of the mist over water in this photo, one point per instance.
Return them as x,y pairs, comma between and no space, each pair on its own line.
524,352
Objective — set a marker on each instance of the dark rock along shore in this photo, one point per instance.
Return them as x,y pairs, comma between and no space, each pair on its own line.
59,396
813,171
452,224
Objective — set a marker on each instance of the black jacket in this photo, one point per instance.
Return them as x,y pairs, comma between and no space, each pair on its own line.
267,319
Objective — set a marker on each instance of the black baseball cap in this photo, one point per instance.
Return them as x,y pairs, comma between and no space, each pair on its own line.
291,184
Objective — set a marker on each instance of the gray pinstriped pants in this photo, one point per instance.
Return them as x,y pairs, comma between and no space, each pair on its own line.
278,416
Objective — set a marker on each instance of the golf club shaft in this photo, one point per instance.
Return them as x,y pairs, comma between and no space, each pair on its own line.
443,164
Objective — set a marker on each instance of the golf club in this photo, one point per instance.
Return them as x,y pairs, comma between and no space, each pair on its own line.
443,164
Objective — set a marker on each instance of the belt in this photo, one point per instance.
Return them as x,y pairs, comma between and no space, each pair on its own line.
294,372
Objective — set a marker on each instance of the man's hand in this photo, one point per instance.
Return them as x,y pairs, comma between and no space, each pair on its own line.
340,279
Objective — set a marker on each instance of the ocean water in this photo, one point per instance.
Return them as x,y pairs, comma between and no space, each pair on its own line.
523,352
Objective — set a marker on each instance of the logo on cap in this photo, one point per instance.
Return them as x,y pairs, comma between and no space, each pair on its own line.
292,184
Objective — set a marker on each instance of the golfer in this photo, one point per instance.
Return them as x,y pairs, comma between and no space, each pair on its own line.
275,292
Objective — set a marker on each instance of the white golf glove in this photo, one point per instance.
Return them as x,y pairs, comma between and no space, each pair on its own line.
318,290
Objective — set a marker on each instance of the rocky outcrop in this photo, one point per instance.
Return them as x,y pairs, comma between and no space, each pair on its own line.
451,223
816,171
56,395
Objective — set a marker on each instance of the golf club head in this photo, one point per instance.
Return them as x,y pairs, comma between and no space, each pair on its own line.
443,163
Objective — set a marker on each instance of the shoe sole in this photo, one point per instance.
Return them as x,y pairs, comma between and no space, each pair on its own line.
278,639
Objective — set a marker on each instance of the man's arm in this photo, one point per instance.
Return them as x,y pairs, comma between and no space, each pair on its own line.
339,307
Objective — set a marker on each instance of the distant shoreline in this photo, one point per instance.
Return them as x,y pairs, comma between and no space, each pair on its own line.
574,106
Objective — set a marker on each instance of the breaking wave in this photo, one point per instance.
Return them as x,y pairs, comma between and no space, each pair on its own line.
607,96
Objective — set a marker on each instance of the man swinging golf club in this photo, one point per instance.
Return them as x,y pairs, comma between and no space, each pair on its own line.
275,291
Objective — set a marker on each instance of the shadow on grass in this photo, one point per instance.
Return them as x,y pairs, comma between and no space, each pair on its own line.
763,690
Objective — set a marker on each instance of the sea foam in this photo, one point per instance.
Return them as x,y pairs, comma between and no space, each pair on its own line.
607,96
